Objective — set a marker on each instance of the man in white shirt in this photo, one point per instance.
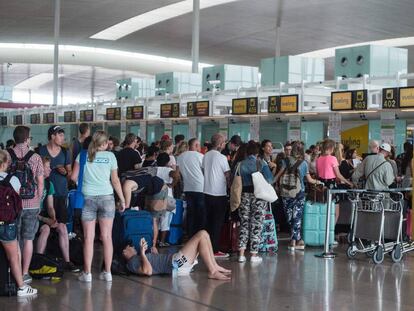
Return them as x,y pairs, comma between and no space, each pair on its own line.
216,181
189,165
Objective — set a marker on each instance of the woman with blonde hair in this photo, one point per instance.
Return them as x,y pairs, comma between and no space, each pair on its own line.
100,178
181,148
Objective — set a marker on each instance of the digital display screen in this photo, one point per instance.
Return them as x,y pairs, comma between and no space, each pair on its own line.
113,113
69,116
48,118
170,110
135,113
198,109
86,115
35,118
242,106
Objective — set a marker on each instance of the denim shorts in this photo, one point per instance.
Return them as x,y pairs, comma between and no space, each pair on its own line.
8,232
99,206
27,224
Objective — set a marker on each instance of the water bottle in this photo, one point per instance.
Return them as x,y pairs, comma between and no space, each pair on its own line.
175,269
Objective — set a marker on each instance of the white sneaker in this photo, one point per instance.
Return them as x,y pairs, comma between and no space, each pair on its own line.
256,259
85,277
105,276
26,290
241,259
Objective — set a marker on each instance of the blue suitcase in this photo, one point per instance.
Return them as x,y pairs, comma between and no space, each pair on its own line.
314,221
176,227
129,227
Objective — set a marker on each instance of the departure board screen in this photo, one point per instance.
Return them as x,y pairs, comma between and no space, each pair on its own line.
86,115
135,113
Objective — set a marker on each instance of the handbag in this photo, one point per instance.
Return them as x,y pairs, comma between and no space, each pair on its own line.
236,190
262,189
76,198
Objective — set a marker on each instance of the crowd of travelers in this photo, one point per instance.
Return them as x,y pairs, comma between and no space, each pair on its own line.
140,176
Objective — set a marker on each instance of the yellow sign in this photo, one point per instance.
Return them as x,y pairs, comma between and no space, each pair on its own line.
356,138
341,101
407,97
239,106
289,103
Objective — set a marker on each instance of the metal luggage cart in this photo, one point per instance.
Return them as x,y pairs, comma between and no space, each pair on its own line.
367,234
393,220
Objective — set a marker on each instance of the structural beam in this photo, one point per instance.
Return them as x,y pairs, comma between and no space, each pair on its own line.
195,51
56,53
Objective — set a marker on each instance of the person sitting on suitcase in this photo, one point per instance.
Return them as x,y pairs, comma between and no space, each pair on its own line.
184,261
48,224
8,231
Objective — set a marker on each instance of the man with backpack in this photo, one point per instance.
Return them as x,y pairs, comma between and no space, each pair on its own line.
28,168
60,163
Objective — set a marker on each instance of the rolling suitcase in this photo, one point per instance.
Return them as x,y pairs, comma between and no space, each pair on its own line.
176,227
269,241
8,286
129,227
229,237
314,222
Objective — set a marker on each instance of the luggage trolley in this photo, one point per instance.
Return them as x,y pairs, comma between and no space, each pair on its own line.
393,220
368,225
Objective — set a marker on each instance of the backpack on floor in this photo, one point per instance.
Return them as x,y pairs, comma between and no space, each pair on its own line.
45,267
290,184
21,169
10,201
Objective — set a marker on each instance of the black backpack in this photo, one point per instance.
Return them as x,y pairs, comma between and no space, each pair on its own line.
21,169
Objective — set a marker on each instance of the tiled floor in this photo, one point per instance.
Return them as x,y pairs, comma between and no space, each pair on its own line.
284,281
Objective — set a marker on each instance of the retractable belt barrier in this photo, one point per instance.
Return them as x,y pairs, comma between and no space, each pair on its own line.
327,251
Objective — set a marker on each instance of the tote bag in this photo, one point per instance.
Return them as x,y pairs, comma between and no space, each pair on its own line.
262,189
76,199
236,190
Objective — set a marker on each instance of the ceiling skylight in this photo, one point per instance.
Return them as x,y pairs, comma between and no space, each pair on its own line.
147,19
36,81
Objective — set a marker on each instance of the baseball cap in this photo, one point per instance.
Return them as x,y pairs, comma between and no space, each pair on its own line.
385,147
54,129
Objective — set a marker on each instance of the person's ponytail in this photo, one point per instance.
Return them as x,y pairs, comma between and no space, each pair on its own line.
99,138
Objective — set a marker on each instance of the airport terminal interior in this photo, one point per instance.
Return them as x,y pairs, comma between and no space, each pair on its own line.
206,155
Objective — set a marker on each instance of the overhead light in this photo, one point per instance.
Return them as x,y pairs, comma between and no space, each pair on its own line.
36,81
407,110
330,52
153,17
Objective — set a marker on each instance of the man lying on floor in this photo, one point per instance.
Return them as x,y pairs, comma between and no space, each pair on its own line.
185,259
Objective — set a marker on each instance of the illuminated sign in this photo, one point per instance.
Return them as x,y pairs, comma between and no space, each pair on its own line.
135,113
349,100
406,97
86,115
113,114
283,104
244,106
390,98
3,120
35,118
18,120
48,118
170,110
198,109
69,116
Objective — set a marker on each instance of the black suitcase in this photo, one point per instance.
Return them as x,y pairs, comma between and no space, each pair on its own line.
8,286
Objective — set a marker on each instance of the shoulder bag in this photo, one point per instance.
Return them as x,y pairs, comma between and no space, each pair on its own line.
236,189
262,189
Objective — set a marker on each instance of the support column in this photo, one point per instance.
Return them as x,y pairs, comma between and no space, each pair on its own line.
56,53
93,84
278,23
195,51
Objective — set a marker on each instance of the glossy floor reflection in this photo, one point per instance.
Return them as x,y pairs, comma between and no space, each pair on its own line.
284,281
